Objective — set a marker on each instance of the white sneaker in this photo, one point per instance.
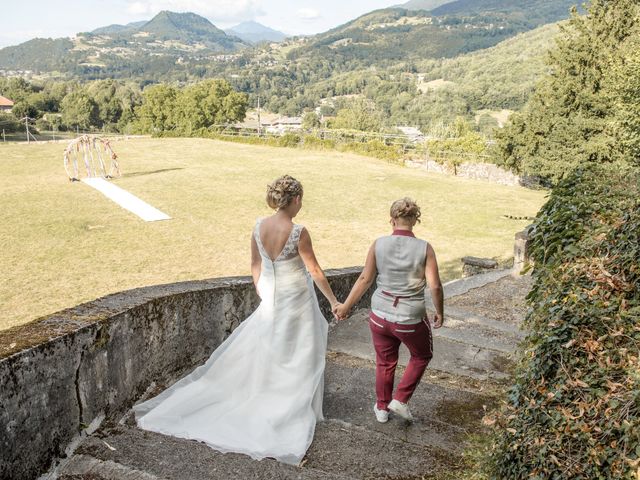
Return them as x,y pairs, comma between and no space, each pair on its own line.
401,409
381,415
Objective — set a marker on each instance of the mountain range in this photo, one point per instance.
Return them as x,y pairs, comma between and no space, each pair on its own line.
179,45
397,34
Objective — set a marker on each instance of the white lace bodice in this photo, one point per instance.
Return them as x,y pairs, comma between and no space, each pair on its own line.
290,249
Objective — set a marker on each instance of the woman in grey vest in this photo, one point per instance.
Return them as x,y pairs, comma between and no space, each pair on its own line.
404,265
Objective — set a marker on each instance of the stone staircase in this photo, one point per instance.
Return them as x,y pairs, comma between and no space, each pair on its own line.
472,359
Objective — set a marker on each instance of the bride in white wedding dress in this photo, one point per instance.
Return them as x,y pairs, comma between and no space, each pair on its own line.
260,392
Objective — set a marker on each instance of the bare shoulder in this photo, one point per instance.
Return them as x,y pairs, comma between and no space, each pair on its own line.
305,237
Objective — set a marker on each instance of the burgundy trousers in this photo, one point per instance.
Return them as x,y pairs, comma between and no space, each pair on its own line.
387,337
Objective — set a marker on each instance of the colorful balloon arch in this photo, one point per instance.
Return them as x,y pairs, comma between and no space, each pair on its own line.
95,153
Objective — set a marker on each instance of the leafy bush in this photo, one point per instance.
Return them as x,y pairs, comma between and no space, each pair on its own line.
468,148
9,123
373,148
314,142
289,140
574,411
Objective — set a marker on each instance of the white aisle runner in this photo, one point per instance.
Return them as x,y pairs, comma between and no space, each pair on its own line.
126,200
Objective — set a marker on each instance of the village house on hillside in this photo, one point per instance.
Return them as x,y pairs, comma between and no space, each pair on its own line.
284,124
5,104
413,134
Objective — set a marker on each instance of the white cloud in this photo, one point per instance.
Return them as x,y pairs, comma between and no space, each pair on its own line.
220,10
308,14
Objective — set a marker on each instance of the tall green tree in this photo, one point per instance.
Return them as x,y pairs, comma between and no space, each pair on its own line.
310,120
79,110
624,84
158,110
207,103
568,121
359,114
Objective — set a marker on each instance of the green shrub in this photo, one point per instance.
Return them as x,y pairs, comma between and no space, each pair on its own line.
469,147
289,140
373,148
10,123
314,142
574,411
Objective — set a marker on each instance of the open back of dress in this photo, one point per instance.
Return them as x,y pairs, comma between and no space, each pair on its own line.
260,392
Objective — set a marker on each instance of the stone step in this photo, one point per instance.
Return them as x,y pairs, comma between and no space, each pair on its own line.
463,285
85,466
444,415
503,300
350,444
477,337
342,448
352,337
460,318
171,458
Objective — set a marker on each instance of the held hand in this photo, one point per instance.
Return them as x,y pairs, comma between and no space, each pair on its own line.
437,320
340,311
334,307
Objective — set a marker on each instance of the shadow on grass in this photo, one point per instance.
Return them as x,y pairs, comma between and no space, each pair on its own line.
150,172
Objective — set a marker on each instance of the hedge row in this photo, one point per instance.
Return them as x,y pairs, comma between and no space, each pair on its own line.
370,148
574,411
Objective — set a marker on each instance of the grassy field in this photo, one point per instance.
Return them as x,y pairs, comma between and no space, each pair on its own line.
63,243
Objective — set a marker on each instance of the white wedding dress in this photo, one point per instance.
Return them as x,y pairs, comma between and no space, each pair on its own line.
260,392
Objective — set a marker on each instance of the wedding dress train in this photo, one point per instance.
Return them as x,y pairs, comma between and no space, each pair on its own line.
260,392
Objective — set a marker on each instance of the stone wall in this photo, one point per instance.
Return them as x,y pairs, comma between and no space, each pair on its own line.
521,249
474,170
67,371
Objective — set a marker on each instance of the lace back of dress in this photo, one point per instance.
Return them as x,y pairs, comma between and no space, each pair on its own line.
290,249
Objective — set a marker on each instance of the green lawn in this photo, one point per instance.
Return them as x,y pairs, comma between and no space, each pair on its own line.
64,243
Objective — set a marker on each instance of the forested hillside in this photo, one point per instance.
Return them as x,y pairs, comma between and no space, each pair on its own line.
389,36
412,66
144,51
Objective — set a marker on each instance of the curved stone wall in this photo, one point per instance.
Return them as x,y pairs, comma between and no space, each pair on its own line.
66,372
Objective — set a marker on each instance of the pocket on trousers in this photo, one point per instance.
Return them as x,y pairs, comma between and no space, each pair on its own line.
375,323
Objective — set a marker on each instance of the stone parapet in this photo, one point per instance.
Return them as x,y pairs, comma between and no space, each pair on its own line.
66,372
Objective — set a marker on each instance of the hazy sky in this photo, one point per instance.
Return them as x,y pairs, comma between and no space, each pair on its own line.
47,18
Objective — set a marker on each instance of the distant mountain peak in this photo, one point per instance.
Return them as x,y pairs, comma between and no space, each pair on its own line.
187,21
254,32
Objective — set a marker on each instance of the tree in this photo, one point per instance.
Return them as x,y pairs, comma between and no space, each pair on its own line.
103,93
10,123
568,120
22,108
79,110
158,110
211,102
624,83
310,121
360,114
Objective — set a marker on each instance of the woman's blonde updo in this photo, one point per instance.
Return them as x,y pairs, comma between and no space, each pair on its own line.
282,191
407,210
